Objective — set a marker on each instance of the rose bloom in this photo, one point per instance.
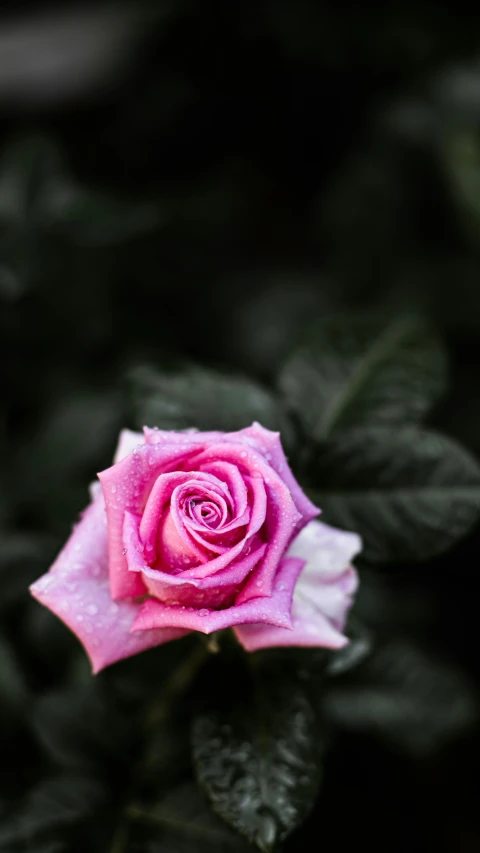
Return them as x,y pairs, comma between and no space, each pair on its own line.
200,531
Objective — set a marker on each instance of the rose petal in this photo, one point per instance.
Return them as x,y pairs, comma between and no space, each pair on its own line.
323,594
159,496
126,486
269,444
232,478
282,516
212,591
326,550
77,590
153,435
273,611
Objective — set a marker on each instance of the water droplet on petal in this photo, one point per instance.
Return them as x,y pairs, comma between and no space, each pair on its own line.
92,609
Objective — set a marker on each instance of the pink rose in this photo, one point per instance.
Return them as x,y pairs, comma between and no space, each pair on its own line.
196,531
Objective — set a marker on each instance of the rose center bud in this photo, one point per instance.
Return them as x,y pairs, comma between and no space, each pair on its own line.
204,513
195,528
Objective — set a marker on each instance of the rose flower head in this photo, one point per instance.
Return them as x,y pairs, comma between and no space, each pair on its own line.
200,531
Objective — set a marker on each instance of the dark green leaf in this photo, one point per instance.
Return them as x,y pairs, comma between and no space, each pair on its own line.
181,821
258,757
201,398
13,690
23,558
57,802
93,219
359,647
409,493
80,730
28,168
354,371
406,696
460,153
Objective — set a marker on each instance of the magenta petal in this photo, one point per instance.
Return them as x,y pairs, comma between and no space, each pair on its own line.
273,611
77,590
153,435
282,517
210,591
160,494
323,594
126,487
269,444
231,476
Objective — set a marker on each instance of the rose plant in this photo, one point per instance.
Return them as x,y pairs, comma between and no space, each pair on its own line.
200,531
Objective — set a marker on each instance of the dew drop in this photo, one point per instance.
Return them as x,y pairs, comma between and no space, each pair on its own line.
203,612
92,609
113,489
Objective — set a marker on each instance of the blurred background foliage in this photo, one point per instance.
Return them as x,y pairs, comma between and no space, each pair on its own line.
195,183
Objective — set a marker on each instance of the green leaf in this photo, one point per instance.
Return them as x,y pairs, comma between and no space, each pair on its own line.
258,757
23,558
29,167
410,493
352,371
406,696
460,154
58,802
13,690
181,821
204,399
358,649
80,730
39,198
90,218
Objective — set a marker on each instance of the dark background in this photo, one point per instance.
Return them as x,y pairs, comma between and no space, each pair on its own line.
198,180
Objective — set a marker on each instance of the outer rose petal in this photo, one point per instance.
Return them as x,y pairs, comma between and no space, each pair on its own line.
274,610
323,594
269,444
77,590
